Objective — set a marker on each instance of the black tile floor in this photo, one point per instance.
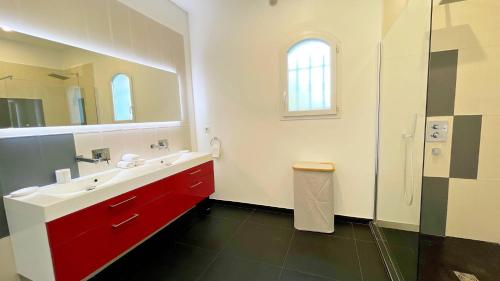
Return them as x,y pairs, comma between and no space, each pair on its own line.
403,249
240,244
440,256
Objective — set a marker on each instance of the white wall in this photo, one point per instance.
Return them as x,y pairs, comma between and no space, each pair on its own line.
108,27
236,51
171,15
392,11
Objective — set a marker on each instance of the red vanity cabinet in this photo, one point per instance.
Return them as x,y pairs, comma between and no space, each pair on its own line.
198,183
84,241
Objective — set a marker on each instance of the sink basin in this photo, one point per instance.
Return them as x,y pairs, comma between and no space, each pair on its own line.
80,185
57,200
96,181
171,159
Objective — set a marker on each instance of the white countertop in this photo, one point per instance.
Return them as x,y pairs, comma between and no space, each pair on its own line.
54,201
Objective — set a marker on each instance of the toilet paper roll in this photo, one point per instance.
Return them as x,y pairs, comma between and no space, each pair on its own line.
63,176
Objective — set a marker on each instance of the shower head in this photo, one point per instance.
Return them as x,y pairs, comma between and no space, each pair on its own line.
444,2
7,77
273,2
58,76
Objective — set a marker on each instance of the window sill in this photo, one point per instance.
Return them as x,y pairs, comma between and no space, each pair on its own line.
310,117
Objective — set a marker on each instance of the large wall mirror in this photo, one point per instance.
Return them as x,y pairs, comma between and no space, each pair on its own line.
44,83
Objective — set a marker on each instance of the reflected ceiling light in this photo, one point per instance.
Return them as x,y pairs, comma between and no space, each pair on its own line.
6,28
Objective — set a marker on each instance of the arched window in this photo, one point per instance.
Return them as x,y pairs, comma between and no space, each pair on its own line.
310,85
122,98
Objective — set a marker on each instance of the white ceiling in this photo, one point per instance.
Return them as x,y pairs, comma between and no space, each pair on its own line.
186,5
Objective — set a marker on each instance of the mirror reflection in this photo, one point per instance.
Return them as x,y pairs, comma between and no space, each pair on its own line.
44,83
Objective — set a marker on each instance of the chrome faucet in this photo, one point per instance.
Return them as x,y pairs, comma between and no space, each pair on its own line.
80,158
98,155
162,144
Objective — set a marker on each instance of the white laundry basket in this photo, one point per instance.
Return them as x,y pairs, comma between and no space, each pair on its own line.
313,196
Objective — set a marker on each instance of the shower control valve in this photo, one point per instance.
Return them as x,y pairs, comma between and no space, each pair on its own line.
437,131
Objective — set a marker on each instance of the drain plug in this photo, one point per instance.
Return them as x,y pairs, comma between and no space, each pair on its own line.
465,276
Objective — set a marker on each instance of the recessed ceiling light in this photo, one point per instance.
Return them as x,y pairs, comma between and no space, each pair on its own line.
6,28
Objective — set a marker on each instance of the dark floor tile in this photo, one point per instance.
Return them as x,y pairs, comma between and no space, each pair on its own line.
230,268
405,260
118,271
209,232
363,232
440,256
343,229
289,275
230,212
181,263
324,255
258,242
135,262
402,238
372,266
274,219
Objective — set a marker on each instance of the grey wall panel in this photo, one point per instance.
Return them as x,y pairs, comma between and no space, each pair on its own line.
28,161
4,113
21,164
434,206
465,146
442,83
58,152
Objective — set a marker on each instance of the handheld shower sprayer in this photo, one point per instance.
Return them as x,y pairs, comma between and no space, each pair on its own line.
408,138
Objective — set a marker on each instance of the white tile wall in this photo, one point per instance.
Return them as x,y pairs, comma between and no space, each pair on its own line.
489,151
478,89
136,141
472,209
472,28
120,27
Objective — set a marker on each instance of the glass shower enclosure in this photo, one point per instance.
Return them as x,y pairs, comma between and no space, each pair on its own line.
438,175
404,57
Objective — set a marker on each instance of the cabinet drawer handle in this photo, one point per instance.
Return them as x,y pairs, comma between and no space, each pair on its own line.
195,172
125,221
195,185
123,202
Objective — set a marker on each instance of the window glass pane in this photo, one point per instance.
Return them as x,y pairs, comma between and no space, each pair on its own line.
292,90
122,98
309,80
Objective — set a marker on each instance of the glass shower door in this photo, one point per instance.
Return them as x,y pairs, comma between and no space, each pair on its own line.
404,57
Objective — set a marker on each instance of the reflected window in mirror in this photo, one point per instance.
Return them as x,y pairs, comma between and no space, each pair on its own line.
77,87
122,98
